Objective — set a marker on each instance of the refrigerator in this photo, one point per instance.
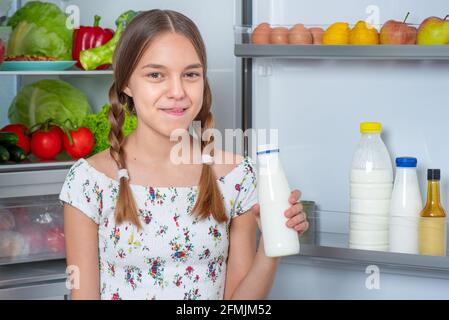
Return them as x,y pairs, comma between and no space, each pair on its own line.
315,97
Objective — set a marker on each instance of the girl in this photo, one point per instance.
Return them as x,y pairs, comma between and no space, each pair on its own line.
137,225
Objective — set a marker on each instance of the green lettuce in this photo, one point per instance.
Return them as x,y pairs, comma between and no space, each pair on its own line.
49,99
40,29
100,127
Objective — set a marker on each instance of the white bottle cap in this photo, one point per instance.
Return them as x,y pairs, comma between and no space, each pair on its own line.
267,148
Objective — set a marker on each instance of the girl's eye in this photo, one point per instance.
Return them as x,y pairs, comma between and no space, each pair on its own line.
155,75
192,75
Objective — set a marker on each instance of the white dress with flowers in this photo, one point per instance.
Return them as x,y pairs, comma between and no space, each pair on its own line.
175,255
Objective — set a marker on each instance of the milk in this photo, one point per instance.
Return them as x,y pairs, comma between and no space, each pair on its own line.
371,185
370,193
273,192
406,205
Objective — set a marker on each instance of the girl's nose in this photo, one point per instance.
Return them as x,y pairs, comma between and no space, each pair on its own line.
176,88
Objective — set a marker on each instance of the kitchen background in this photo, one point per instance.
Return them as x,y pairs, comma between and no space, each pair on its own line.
317,105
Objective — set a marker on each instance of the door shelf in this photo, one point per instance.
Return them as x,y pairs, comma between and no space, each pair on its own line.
328,239
403,262
379,52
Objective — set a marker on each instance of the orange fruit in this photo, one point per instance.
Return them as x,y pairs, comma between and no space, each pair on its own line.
337,34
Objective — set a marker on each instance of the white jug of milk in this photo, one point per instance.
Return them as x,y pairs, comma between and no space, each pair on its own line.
370,191
273,192
406,204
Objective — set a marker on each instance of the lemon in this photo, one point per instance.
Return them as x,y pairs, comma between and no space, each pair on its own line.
337,34
363,34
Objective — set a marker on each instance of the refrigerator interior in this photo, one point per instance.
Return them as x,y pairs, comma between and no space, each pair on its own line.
317,105
215,21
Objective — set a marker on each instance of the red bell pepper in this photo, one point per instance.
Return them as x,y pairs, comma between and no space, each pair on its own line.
90,37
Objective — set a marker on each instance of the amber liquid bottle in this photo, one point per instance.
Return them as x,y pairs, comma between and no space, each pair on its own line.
432,223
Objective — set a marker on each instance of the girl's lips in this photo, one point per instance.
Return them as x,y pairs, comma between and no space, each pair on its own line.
176,112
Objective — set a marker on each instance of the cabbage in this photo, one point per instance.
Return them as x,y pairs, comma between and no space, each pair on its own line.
49,99
40,29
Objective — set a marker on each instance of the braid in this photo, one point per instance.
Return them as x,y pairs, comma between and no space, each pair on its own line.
210,201
126,208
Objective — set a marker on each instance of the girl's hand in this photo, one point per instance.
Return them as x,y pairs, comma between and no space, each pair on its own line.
297,217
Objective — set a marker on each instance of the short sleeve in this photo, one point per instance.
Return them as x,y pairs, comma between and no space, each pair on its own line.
247,195
78,190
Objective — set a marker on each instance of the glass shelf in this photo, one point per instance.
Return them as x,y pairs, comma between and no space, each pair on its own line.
62,73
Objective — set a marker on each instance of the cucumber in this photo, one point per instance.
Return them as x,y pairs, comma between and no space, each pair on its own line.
16,153
4,154
8,138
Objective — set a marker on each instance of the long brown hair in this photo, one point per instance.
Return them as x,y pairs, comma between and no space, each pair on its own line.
132,44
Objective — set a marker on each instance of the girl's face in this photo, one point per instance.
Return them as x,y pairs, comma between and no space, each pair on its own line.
168,76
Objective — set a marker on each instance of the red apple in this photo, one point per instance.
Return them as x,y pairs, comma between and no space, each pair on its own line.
397,32
412,35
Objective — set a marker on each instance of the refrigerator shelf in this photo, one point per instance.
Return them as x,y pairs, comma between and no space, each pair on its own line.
62,72
32,179
379,52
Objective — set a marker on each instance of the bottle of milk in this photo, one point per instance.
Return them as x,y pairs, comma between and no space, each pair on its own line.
406,204
273,192
371,184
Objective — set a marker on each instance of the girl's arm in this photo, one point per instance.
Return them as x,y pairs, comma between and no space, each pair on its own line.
81,241
249,275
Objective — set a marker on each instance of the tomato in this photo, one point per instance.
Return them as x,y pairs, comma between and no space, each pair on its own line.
59,131
83,143
21,131
46,145
55,239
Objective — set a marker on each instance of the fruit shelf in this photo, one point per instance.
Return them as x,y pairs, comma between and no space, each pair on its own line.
328,238
379,52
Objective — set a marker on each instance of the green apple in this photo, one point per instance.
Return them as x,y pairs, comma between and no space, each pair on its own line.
434,30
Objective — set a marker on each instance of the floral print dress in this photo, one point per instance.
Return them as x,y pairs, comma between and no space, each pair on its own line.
175,255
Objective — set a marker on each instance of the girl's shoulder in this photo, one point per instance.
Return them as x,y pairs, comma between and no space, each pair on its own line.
230,164
95,169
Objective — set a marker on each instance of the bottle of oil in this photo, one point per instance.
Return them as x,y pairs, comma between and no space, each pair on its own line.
432,223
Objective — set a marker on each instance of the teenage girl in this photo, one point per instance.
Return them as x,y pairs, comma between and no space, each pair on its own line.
139,225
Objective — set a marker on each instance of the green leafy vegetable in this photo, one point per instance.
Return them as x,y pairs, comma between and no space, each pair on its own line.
48,99
100,127
39,28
